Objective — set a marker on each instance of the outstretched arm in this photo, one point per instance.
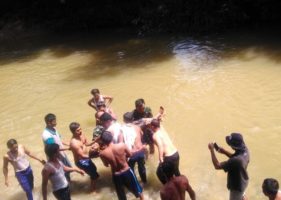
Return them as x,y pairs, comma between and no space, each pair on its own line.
160,115
5,169
26,151
73,169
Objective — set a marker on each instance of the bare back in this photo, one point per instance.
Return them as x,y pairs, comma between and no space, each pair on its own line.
116,156
175,188
138,143
162,138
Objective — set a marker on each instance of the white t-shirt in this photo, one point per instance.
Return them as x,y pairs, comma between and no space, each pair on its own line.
57,179
115,129
129,135
49,137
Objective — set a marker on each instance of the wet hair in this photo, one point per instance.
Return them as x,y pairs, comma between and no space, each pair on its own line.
51,149
95,91
105,117
168,169
50,117
270,186
11,142
128,117
155,123
73,126
139,102
106,137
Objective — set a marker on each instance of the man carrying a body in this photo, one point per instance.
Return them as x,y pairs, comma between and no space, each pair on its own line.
115,156
167,152
78,146
112,126
132,135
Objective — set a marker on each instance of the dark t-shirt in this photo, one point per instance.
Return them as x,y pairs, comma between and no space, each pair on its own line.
147,134
236,168
146,114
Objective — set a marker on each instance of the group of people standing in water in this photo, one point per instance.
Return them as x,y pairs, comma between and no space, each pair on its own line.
121,147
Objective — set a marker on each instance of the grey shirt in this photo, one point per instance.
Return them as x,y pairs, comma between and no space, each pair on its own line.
236,168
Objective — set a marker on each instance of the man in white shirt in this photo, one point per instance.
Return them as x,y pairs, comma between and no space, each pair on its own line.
50,135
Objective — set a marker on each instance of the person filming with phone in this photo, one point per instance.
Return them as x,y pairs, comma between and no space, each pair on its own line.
235,166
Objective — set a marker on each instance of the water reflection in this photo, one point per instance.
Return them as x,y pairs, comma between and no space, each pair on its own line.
195,55
209,87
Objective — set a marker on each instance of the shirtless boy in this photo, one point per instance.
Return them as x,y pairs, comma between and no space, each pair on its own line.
16,156
270,188
97,97
166,150
115,156
78,146
176,186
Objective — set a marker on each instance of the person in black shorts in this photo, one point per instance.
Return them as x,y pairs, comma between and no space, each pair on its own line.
166,149
80,149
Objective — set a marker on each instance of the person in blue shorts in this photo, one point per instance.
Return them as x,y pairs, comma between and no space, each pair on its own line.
80,149
115,156
17,157
132,135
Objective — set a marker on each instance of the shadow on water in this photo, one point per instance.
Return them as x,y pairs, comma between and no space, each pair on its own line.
104,181
121,51
105,186
17,196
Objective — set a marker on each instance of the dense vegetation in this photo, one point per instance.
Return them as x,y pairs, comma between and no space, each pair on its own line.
144,15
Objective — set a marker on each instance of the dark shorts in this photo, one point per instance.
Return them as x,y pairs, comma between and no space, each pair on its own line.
129,180
62,194
139,158
174,159
89,167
